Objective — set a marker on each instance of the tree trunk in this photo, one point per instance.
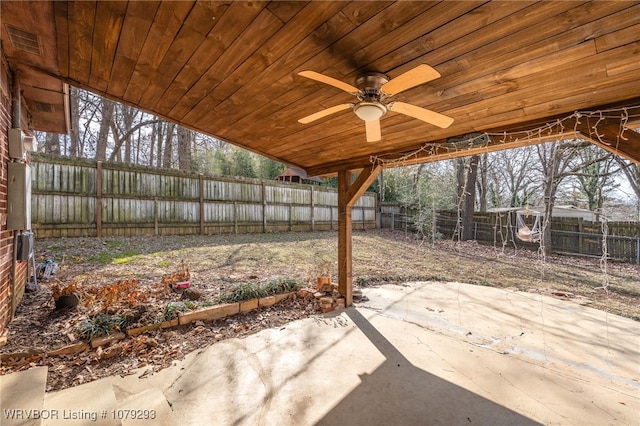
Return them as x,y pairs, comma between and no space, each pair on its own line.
52,144
550,188
467,172
483,182
105,124
551,158
470,199
184,149
152,143
160,139
168,146
74,134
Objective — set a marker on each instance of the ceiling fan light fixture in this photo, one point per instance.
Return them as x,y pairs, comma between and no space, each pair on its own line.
369,111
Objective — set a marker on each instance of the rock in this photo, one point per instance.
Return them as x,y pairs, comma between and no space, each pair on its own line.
326,288
168,335
31,287
67,301
192,294
305,293
357,295
112,351
105,340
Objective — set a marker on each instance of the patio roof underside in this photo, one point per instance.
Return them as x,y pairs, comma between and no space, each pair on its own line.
229,70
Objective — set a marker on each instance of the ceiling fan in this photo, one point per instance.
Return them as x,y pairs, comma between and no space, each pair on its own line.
371,90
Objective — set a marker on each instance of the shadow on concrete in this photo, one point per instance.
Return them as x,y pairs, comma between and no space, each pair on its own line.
398,393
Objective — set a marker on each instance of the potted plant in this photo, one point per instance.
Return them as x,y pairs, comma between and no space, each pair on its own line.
65,297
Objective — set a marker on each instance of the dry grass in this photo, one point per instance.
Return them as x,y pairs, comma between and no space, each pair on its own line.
217,262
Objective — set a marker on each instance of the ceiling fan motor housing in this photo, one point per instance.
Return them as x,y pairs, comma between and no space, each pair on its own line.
370,84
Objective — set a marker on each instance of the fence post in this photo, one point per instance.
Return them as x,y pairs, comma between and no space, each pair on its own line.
264,208
580,239
393,220
235,217
290,216
99,199
201,189
155,216
364,227
313,219
475,231
331,218
638,251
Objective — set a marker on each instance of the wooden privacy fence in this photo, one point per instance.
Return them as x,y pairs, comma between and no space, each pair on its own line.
574,236
73,198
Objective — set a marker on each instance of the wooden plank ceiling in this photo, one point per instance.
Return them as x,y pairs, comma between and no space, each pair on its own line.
229,69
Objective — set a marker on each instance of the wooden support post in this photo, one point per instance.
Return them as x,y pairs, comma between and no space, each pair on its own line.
345,277
348,194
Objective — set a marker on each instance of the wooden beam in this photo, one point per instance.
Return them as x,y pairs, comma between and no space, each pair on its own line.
348,194
565,126
609,136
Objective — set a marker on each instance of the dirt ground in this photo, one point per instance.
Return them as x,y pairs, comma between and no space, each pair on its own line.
219,263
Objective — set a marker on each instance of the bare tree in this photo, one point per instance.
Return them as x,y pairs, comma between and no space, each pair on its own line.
466,172
74,118
168,145
596,176
512,181
558,161
632,173
52,144
105,125
185,137
483,182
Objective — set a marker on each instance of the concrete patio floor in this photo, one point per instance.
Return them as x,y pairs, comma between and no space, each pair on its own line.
424,353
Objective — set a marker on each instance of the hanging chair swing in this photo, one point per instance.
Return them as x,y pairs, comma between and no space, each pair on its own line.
525,233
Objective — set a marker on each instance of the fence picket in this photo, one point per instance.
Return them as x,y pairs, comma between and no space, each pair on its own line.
109,199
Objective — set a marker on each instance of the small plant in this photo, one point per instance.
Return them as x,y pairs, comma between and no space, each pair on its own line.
109,295
253,290
243,291
281,285
101,325
171,310
181,275
59,291
106,257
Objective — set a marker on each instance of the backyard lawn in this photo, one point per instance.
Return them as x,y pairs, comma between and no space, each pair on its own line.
218,264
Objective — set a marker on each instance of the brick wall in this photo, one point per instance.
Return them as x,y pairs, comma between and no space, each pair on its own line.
6,236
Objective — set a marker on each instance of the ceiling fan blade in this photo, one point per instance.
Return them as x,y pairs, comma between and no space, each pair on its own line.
423,114
373,130
330,81
414,77
320,114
